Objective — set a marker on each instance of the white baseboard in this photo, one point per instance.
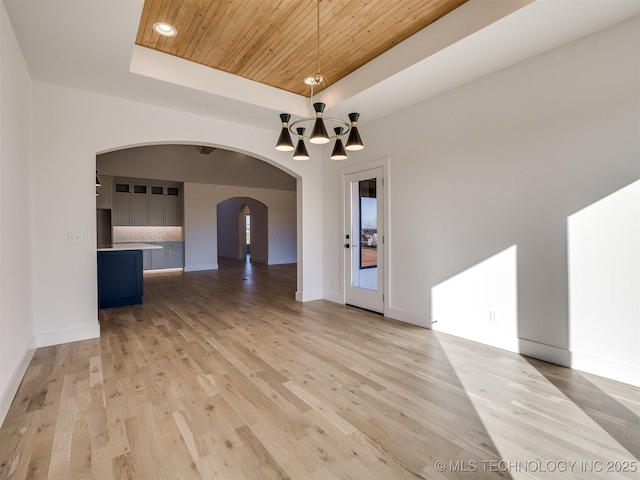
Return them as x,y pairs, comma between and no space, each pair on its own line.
40,340
407,317
606,367
496,340
585,362
334,297
308,296
282,261
11,389
67,335
548,353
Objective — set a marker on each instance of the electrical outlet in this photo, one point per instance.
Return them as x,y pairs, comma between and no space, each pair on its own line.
493,316
74,237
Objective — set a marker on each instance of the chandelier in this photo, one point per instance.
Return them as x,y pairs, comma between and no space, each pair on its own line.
319,134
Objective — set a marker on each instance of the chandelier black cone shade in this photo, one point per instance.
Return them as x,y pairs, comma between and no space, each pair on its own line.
301,150
284,141
319,133
338,149
354,142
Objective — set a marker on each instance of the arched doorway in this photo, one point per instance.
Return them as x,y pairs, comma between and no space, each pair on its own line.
243,229
211,178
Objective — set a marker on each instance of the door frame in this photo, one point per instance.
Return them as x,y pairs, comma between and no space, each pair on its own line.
386,234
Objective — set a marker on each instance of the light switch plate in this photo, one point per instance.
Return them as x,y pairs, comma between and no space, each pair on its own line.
74,237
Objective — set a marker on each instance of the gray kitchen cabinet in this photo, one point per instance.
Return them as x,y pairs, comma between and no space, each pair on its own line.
165,205
156,210
158,259
173,211
146,259
138,203
175,255
130,187
139,210
130,209
171,256
121,210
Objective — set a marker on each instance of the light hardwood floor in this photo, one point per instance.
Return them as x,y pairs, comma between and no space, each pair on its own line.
223,375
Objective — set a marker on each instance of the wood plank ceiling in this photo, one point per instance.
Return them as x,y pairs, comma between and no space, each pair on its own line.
275,41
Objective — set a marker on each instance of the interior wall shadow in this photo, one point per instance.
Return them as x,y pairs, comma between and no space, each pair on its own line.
616,419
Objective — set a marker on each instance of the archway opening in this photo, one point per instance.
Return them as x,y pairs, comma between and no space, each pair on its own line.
210,176
243,230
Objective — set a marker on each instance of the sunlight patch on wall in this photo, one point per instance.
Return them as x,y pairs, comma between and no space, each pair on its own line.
480,304
604,286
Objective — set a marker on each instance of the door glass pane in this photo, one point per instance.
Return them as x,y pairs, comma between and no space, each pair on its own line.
368,224
365,232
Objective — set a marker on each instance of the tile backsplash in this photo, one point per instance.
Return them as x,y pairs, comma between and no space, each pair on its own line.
147,234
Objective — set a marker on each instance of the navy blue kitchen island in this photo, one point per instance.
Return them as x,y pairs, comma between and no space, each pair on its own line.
120,280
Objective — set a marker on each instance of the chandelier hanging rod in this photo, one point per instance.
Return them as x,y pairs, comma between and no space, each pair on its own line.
318,38
319,134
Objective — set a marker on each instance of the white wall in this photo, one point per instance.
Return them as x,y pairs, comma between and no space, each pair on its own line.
480,303
498,163
227,224
604,285
16,321
200,222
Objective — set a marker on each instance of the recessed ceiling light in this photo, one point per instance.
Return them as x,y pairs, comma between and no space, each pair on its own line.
165,29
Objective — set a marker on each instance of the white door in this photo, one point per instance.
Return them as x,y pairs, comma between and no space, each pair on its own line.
363,239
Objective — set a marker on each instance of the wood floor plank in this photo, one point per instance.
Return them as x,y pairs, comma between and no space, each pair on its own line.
223,375
17,445
264,466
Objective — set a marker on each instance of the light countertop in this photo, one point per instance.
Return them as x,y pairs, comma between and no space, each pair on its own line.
127,246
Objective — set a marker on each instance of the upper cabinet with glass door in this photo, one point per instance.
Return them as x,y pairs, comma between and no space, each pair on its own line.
136,202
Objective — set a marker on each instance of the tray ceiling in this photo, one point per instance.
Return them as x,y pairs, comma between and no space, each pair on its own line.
274,42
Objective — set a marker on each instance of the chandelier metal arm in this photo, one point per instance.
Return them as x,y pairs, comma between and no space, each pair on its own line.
339,121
